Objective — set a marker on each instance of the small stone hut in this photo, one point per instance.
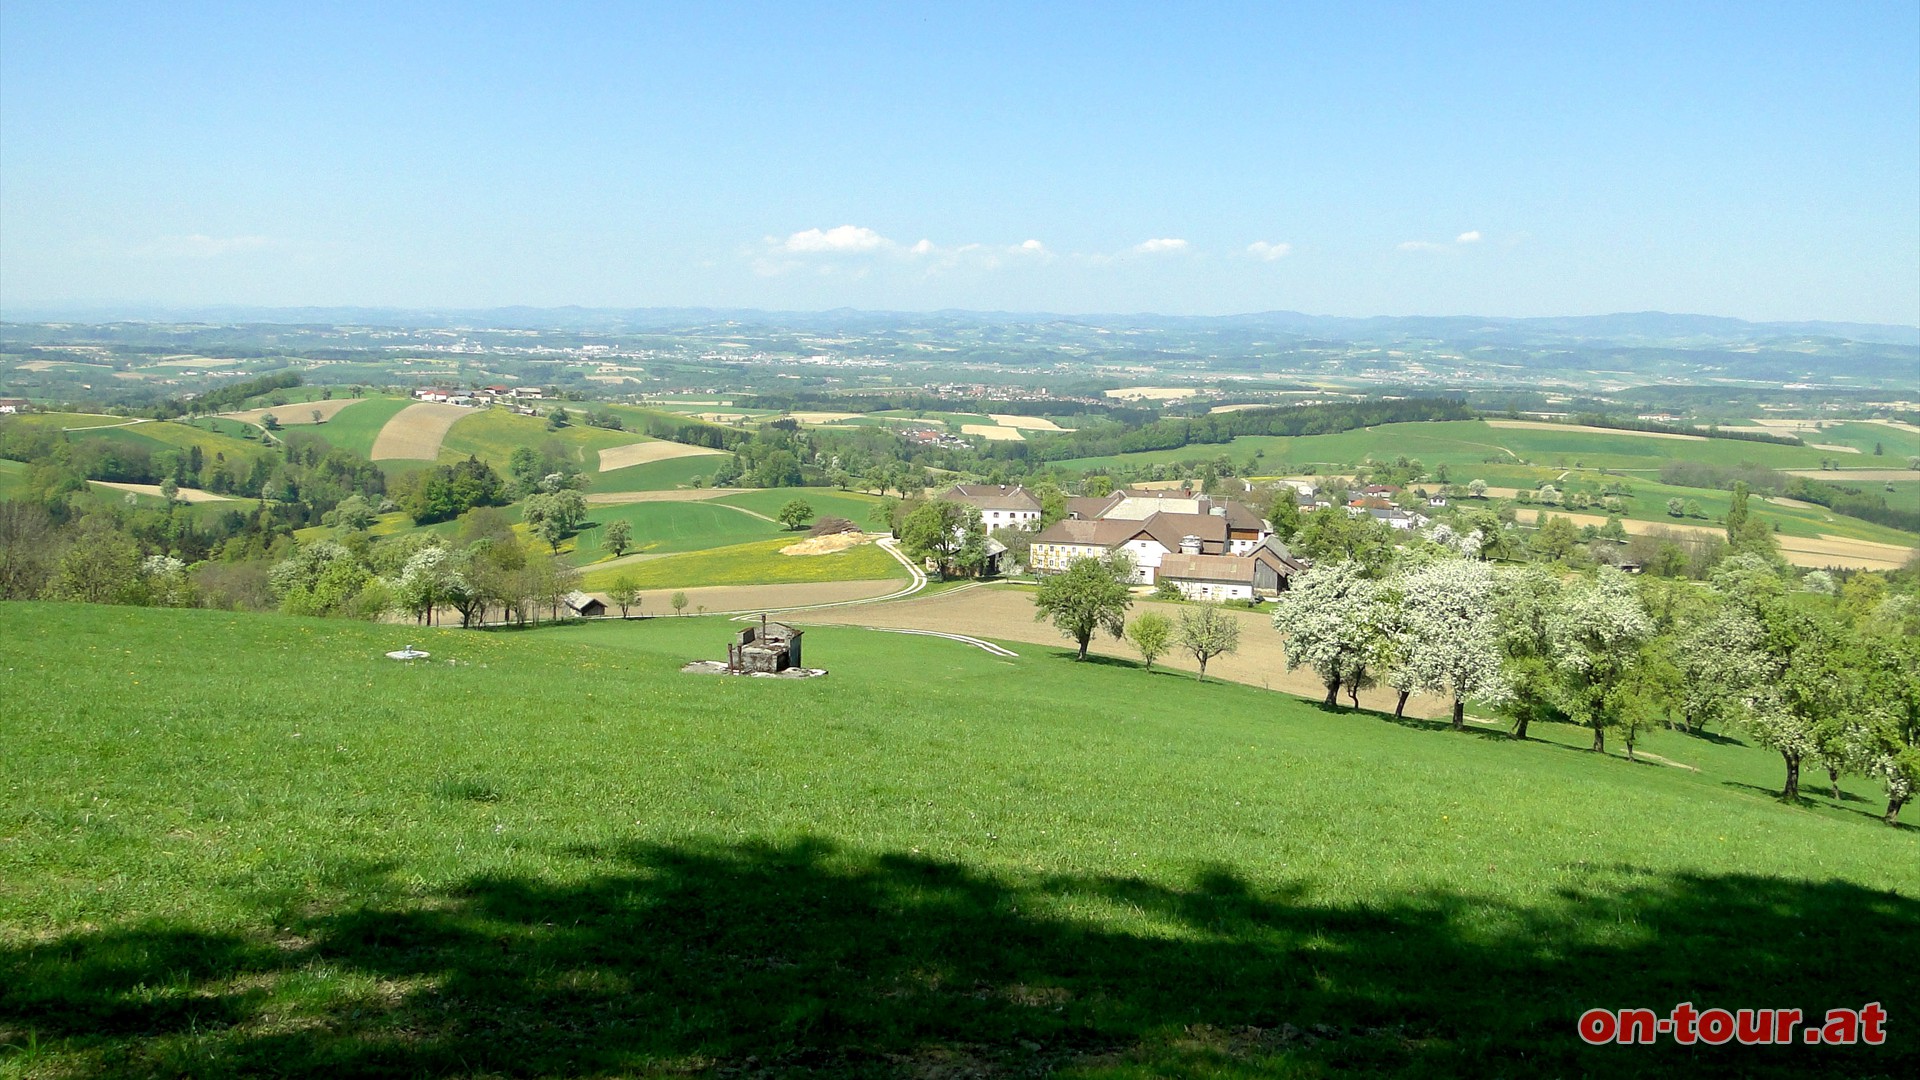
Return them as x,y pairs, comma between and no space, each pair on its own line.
769,647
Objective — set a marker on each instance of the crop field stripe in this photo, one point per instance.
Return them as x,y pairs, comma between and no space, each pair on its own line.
416,432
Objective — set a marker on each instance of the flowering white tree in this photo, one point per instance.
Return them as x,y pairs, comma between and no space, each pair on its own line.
1722,669
1331,619
1452,638
1597,633
425,583
165,580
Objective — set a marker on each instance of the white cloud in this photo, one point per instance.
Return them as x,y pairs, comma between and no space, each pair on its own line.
1161,245
1471,236
924,247
200,246
1266,252
1034,247
840,238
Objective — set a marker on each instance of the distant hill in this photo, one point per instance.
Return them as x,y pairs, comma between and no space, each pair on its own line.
1626,328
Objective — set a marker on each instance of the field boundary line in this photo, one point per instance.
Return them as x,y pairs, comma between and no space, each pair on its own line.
978,643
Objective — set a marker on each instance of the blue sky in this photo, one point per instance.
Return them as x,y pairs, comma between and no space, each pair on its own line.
1760,161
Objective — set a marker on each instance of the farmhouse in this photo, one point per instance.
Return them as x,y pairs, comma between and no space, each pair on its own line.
1000,505
1149,526
13,404
585,606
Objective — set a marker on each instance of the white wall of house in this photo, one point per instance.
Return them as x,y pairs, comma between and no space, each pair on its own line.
1212,590
1000,519
1146,558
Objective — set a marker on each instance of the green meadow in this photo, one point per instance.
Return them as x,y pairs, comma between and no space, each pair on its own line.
357,426
661,527
659,475
756,563
13,478
493,435
162,435
826,502
549,853
1464,445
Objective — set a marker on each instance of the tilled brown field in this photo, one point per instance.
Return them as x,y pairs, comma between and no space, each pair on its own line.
415,432
1006,614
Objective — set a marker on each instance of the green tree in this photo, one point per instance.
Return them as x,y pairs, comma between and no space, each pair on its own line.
1207,631
1150,635
625,594
937,531
1088,596
795,514
354,514
1334,535
102,566
617,537
270,422
1556,538
554,516
1737,513
679,602
1283,513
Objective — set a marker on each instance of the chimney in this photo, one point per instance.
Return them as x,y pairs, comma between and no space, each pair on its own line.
1189,545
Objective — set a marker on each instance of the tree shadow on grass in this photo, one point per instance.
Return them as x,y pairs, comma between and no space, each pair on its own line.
807,959
1807,801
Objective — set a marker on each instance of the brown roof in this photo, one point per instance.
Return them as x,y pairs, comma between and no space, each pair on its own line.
1090,508
1104,534
993,497
1170,529
1240,516
1230,568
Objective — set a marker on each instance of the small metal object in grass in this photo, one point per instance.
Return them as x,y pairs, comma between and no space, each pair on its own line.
408,653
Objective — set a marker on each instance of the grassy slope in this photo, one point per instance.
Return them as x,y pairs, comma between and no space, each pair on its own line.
659,475
846,504
559,856
1461,446
13,478
757,563
165,435
493,435
1896,444
671,527
357,426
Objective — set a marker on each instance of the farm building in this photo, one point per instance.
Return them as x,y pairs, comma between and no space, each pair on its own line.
769,647
1000,505
585,606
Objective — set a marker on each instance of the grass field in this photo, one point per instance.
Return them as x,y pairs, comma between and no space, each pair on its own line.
1463,445
356,427
166,435
659,475
671,527
493,435
757,563
555,855
13,478
825,502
